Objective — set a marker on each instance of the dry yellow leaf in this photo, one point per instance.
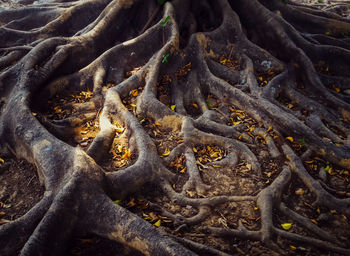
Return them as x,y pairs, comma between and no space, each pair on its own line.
336,89
166,152
195,105
286,226
158,223
292,247
238,122
126,154
183,170
269,129
157,124
194,150
120,129
290,105
290,139
314,221
134,93
214,154
173,107
2,160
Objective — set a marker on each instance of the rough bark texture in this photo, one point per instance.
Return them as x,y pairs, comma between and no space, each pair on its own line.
300,55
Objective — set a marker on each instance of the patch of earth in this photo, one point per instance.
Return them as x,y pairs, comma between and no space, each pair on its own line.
20,189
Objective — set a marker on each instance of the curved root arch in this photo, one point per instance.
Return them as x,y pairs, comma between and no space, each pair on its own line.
148,91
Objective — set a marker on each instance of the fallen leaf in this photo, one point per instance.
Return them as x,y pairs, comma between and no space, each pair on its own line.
153,216
2,213
117,201
134,93
158,223
269,129
120,129
195,105
126,154
194,150
336,89
256,208
6,206
2,160
183,170
292,247
173,107
290,105
190,193
157,124
286,226
299,191
314,221
131,203
290,139
166,152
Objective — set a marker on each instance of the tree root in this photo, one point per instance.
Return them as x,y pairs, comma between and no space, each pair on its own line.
150,75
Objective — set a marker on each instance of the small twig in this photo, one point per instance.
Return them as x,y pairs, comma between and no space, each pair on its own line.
30,181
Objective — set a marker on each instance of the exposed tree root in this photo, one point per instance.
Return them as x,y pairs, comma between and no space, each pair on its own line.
229,74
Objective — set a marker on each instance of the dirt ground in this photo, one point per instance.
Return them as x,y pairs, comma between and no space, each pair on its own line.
20,188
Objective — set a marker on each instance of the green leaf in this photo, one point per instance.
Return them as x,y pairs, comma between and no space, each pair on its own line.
165,21
286,226
117,201
208,104
157,224
165,58
161,2
327,167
